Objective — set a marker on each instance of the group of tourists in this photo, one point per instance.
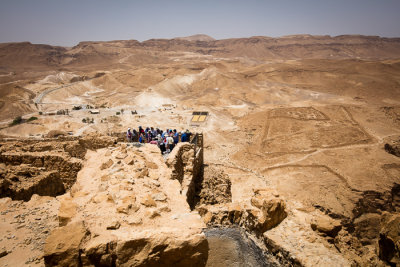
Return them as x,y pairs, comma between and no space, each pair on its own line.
165,140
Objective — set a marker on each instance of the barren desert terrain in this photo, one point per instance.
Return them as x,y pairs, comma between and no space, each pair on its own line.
299,154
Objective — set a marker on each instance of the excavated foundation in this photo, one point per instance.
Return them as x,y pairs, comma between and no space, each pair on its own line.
47,167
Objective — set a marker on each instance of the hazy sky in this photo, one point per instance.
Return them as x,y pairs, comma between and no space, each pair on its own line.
68,22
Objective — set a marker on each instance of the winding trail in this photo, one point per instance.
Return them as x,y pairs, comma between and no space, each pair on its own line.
39,98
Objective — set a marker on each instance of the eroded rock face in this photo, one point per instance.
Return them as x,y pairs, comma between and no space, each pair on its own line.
365,238
367,228
389,239
393,146
215,187
134,211
147,250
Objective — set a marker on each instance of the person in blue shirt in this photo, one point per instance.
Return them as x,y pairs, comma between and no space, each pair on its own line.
183,137
176,137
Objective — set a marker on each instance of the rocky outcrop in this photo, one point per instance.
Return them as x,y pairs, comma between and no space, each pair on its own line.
273,208
367,238
368,212
366,228
267,210
133,210
72,245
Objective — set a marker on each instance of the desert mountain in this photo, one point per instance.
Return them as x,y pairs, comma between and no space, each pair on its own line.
26,55
196,37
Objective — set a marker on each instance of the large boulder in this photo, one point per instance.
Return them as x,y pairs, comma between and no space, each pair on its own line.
163,250
273,208
147,249
326,225
63,245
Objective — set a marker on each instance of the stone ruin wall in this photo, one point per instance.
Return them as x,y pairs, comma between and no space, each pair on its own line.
186,162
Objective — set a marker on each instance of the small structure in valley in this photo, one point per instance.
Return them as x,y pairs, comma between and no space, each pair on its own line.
198,118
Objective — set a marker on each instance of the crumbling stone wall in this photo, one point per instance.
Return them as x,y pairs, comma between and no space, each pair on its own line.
176,161
186,162
215,188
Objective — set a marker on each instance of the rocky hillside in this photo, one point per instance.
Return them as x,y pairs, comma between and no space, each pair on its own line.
27,55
